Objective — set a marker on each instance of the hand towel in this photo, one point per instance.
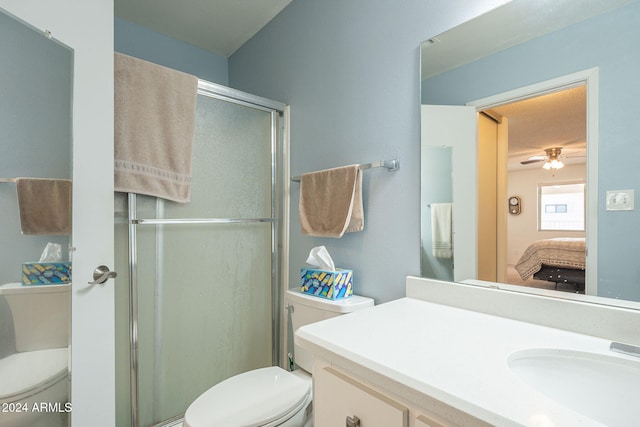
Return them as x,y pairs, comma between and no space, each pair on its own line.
441,230
45,206
154,109
331,202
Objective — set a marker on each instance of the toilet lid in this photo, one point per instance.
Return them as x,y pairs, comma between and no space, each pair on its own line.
250,399
29,370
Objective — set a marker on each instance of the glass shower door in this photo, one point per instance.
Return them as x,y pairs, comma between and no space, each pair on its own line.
206,270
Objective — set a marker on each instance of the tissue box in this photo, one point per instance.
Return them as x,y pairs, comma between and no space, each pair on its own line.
326,284
46,273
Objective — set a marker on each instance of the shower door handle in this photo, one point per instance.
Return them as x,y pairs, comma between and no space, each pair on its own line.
101,274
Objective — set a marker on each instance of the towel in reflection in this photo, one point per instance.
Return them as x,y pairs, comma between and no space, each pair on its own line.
441,229
45,206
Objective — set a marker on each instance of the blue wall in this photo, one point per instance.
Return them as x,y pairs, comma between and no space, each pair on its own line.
137,41
350,71
611,43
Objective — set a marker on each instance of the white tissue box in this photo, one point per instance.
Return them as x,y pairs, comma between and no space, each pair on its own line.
326,284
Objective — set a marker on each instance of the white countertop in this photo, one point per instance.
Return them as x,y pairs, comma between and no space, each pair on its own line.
414,348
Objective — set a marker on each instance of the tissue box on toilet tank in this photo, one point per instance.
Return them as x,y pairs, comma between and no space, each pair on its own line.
326,284
46,273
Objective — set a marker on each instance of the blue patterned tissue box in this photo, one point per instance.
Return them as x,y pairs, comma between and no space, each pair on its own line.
326,284
46,273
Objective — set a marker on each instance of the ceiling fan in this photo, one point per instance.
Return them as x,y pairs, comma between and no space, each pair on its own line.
551,159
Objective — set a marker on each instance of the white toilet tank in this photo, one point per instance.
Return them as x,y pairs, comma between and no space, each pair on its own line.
309,309
41,315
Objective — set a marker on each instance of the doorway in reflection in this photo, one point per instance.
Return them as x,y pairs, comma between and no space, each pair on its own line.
531,218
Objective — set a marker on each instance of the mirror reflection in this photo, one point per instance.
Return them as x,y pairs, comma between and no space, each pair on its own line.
552,95
35,200
436,255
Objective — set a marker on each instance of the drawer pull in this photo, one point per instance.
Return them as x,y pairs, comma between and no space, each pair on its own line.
353,421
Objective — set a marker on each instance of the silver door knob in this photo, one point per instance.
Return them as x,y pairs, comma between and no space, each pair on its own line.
101,274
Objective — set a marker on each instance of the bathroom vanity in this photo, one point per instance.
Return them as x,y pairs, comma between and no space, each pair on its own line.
420,362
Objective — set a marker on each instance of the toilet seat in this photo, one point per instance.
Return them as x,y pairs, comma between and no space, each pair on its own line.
27,373
258,398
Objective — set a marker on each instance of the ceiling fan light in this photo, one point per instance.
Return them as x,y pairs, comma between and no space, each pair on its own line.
553,164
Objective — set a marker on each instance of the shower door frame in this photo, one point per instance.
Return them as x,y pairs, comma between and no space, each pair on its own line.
279,220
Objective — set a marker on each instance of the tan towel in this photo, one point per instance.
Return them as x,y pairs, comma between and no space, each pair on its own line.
45,206
154,128
441,230
331,202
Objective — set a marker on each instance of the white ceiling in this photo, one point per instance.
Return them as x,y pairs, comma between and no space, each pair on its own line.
219,26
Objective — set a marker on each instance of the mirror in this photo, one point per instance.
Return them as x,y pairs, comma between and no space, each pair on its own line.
35,142
528,50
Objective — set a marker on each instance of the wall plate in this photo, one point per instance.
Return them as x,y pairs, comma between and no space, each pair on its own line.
620,200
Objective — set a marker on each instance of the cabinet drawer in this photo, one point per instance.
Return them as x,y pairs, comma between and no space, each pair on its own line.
337,396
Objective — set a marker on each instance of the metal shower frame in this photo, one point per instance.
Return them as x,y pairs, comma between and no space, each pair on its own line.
278,220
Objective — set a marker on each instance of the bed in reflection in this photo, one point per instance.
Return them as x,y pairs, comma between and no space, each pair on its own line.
559,260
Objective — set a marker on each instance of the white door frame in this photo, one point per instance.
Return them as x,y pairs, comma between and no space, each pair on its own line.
589,78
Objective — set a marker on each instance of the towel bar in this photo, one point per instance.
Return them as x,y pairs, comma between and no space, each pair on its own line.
391,165
182,221
7,180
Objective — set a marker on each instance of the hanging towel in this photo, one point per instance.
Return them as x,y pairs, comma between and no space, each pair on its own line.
441,230
331,202
45,206
154,109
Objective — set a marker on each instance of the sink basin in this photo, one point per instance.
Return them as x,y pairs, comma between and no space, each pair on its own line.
601,387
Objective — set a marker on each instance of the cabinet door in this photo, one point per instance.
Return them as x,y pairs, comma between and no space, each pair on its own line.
337,397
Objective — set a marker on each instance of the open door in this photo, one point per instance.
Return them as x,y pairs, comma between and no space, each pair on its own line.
455,126
492,197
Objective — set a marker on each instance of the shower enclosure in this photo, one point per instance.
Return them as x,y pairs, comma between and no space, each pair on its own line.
204,277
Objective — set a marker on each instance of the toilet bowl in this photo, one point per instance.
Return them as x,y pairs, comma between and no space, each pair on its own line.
34,390
263,397
272,396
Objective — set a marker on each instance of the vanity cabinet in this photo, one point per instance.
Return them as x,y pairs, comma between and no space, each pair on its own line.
340,399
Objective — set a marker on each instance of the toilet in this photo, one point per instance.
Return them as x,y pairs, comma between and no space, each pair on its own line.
38,372
272,396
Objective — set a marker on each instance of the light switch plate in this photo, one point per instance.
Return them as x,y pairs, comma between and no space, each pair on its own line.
620,200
